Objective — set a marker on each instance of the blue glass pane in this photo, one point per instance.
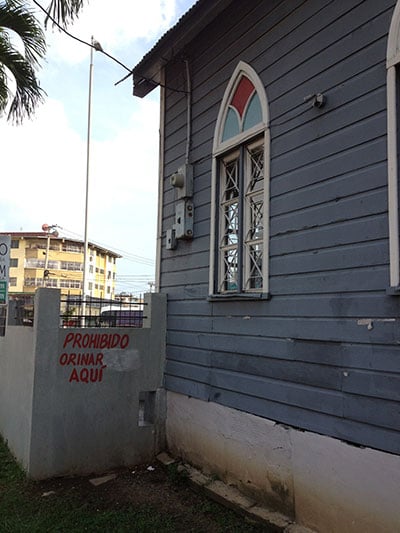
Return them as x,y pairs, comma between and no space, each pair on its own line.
253,114
231,127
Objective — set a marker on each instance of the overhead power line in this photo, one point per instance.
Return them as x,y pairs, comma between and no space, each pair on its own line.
129,256
95,46
99,49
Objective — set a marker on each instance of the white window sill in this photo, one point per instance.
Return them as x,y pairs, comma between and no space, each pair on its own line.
242,296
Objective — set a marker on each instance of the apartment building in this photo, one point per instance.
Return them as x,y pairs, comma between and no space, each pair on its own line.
63,268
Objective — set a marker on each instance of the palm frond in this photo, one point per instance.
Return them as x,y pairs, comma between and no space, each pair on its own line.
16,16
5,92
64,11
28,93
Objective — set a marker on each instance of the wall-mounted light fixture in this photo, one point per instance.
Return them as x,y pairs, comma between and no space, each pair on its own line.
317,100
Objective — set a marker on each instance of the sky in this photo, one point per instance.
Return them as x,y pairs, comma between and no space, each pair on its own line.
43,162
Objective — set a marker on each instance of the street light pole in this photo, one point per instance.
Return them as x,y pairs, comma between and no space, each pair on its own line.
97,46
50,230
86,242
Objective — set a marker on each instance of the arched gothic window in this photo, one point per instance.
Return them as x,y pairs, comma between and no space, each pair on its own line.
240,201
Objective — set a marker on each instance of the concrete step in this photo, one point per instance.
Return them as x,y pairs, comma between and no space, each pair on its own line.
231,497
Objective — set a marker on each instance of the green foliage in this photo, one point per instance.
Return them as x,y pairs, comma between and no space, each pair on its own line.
17,19
20,91
23,509
10,471
54,517
64,11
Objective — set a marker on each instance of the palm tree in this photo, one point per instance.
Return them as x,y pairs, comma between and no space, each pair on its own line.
18,69
18,20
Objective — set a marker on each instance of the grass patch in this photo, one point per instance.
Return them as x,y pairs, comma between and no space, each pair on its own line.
176,475
138,501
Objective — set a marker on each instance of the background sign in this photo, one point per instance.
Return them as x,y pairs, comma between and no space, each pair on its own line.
5,244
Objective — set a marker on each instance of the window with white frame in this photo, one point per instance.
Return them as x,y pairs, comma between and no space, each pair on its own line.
38,282
70,247
71,283
393,123
239,231
71,265
40,263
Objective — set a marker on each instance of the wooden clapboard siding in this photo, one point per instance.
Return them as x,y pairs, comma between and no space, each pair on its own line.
323,352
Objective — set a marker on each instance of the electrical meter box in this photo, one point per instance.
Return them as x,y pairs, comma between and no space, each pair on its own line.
183,220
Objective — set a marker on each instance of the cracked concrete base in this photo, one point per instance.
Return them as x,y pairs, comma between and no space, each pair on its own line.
229,496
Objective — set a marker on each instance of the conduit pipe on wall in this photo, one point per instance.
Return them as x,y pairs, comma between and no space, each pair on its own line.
161,158
188,112
160,183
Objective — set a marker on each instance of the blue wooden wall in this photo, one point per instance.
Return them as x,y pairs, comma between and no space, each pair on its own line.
308,357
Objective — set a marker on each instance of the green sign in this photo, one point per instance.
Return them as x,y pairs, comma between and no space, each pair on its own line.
3,292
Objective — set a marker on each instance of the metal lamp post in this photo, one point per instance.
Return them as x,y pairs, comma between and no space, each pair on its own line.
96,46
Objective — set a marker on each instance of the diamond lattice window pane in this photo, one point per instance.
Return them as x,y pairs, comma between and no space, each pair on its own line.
256,262
256,170
230,278
231,224
256,227
231,185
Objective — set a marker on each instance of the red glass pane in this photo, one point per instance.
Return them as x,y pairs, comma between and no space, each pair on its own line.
242,94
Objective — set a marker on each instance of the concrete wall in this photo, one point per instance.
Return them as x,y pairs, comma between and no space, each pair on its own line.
321,482
95,398
16,389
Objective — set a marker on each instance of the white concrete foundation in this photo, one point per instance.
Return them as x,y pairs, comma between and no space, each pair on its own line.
321,482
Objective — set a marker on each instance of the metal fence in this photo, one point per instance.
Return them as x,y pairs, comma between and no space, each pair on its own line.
79,312
20,310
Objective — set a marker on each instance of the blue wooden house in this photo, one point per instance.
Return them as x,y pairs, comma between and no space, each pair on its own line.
278,248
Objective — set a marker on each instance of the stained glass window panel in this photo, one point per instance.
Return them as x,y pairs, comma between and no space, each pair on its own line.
231,126
253,114
244,110
242,95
